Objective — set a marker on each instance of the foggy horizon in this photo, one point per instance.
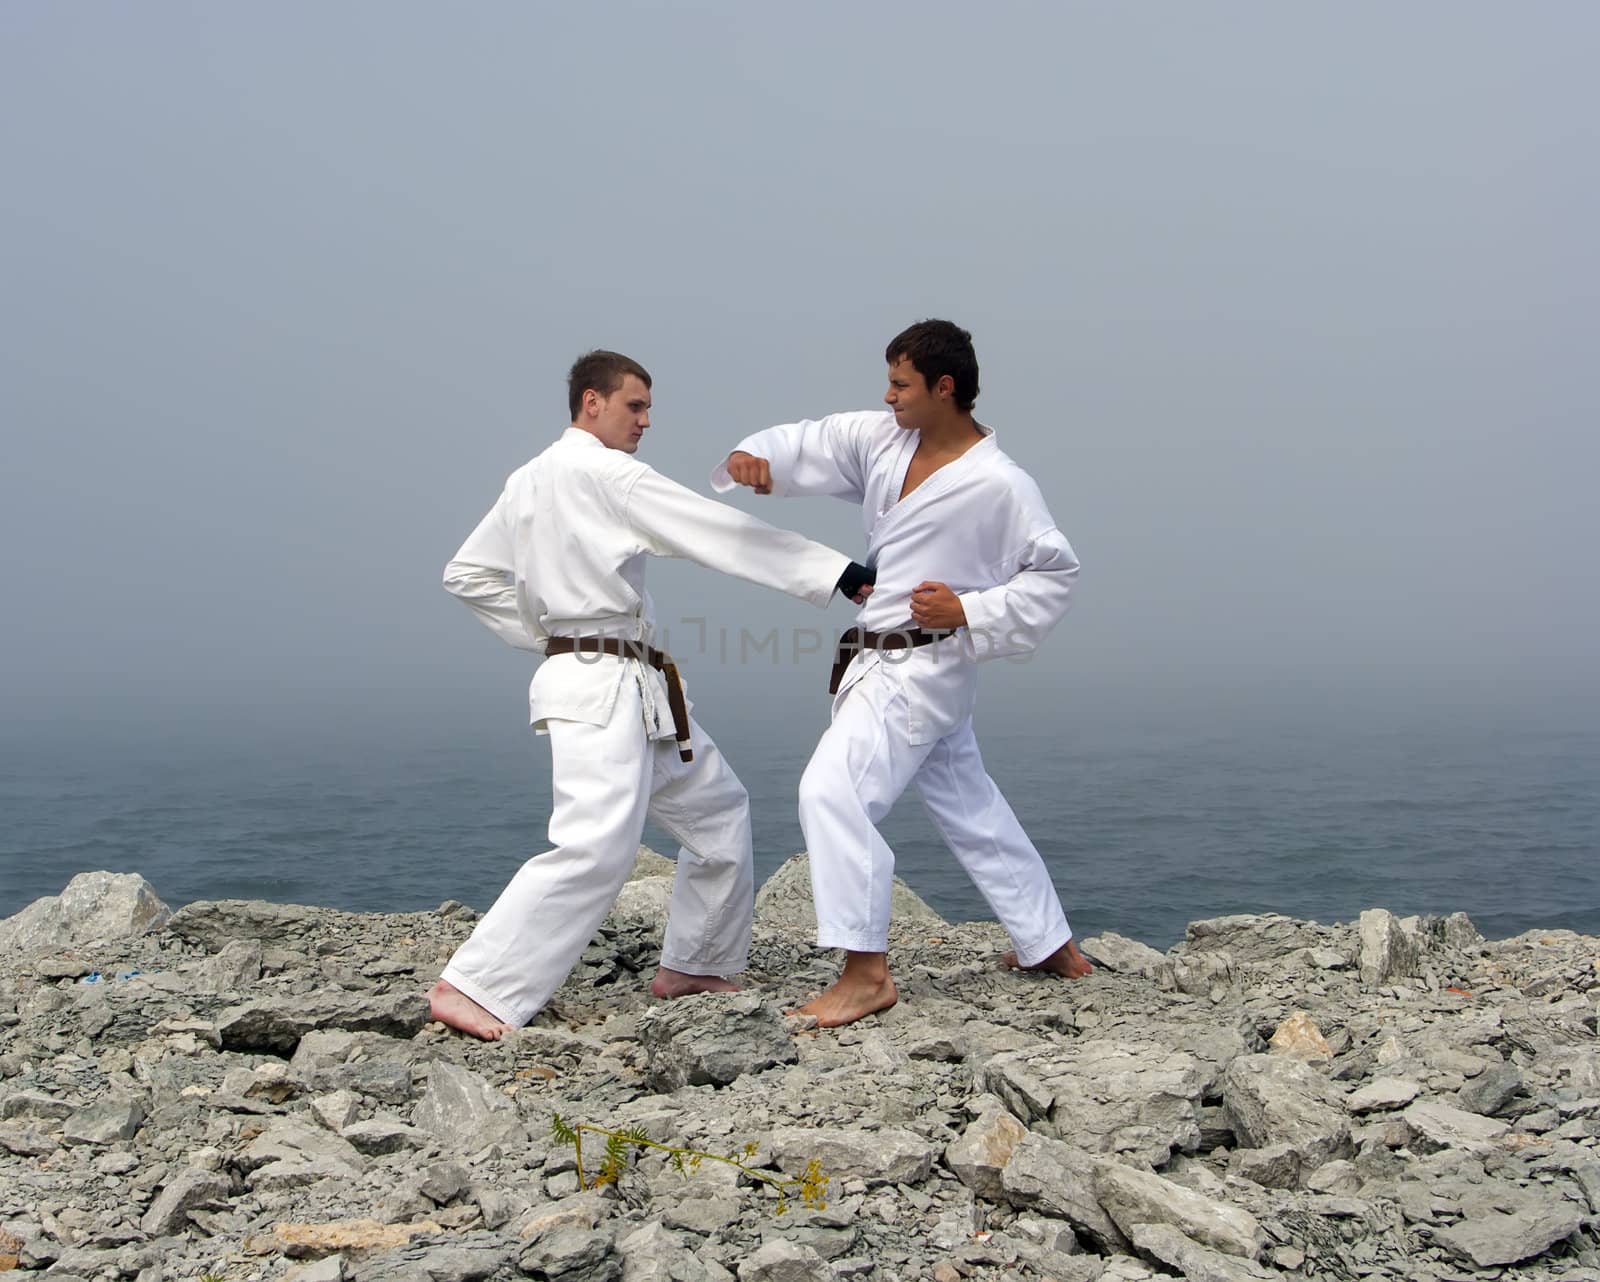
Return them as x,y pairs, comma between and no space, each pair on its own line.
1283,309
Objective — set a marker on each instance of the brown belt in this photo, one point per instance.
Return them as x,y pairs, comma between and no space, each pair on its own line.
856,640
657,659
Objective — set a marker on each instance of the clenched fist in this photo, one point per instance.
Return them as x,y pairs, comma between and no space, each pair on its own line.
747,469
935,608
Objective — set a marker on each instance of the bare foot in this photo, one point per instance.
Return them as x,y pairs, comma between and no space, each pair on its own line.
851,998
1066,961
674,983
451,1006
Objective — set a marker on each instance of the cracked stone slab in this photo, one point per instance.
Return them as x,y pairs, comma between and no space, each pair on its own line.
1270,1099
277,1025
1493,1238
1054,1178
887,1156
1436,1125
1104,1095
1133,1198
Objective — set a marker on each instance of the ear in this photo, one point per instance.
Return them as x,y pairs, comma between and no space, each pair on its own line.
945,388
592,401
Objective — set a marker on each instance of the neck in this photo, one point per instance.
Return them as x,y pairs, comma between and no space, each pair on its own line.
954,432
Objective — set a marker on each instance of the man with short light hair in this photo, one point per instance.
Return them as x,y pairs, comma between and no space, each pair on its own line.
557,567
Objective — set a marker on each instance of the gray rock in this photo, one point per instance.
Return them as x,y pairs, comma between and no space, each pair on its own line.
293,1142
701,1212
63,967
1382,1093
1388,951
36,1105
778,1260
1195,1262
105,1122
1134,1198
651,1254
277,1025
1493,1238
584,1210
1270,1099
1436,1125
336,1110
215,923
444,1182
1274,1166
983,1150
1122,955
644,899
1338,1177
283,1177
191,1189
465,1113
1104,1094
1491,1090
384,1135
571,1253
93,907
474,1257
712,1038
25,1142
328,1269
887,1156
784,901
236,967
1052,1177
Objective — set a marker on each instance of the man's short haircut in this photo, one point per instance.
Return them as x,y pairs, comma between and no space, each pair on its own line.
603,371
936,348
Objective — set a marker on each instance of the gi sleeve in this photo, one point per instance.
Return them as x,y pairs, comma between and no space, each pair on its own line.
1013,617
481,576
669,519
814,456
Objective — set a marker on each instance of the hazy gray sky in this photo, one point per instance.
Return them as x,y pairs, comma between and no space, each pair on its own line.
1290,309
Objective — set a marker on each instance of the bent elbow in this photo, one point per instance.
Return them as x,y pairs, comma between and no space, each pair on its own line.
458,578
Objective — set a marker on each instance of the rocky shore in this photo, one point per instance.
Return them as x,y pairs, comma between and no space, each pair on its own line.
242,1090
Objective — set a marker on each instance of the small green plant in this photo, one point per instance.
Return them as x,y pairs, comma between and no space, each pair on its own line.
811,1184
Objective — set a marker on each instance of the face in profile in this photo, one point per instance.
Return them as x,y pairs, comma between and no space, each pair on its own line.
908,395
620,419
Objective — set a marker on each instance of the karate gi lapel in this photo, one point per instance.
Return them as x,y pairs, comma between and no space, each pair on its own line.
928,493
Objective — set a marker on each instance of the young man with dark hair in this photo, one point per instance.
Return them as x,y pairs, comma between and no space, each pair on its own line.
557,567
937,496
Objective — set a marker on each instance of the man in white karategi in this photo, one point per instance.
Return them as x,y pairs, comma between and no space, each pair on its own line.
557,567
937,497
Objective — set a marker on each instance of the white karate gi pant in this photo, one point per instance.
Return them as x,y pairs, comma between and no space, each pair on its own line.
861,765
605,780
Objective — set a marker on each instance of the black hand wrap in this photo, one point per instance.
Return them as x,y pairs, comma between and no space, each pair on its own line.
855,577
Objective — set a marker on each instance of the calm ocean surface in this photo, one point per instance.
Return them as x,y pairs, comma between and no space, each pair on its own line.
1147,822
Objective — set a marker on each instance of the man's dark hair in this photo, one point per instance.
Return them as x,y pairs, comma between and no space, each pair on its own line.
936,348
603,371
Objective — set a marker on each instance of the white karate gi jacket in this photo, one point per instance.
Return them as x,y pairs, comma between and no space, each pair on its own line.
562,554
978,524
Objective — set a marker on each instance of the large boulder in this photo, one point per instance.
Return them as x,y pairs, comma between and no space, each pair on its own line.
94,907
465,1112
1055,1179
1104,1095
1388,950
784,901
1271,1100
711,1039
